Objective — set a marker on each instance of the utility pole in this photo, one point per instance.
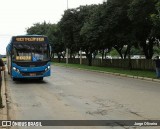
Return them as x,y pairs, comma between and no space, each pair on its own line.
80,56
67,46
67,4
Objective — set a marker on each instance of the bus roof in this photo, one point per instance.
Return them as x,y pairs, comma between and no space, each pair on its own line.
34,35
27,38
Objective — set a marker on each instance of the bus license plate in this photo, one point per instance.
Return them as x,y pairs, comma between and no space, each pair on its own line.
32,74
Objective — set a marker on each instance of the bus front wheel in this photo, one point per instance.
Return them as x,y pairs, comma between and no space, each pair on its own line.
40,79
14,79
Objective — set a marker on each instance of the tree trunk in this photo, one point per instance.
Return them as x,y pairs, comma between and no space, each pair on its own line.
86,53
52,55
151,43
127,52
102,54
70,54
119,50
90,59
145,51
59,57
148,48
129,57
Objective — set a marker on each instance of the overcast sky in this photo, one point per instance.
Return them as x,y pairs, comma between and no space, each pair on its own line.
17,15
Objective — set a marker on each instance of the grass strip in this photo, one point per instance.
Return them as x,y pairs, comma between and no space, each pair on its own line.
140,73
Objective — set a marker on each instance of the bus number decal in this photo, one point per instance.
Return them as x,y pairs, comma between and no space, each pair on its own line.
23,57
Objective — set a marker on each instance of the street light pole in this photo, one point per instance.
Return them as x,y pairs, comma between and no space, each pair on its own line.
67,46
80,56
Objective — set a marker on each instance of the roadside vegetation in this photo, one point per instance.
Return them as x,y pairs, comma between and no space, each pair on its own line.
140,73
127,27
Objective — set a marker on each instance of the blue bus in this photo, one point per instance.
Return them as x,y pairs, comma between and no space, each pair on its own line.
28,56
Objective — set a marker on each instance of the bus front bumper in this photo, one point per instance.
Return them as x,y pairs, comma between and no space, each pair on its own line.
36,74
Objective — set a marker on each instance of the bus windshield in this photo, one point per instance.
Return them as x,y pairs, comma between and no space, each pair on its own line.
30,52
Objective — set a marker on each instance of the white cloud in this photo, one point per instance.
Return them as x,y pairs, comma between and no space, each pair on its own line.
17,15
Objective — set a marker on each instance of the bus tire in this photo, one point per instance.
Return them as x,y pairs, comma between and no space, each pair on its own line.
14,79
40,79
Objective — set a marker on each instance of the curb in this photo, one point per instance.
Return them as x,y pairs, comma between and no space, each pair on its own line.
116,74
4,114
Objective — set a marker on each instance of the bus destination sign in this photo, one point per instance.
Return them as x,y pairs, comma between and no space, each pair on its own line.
30,39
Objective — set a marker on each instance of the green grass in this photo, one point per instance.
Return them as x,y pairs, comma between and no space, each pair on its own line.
140,73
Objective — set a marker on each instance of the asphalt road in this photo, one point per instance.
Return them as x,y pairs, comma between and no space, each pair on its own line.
71,94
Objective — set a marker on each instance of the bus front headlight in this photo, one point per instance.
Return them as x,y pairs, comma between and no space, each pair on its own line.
47,68
14,68
18,70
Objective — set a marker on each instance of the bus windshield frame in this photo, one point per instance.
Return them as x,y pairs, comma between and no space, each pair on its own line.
30,52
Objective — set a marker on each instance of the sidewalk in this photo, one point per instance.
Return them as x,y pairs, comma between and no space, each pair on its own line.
3,112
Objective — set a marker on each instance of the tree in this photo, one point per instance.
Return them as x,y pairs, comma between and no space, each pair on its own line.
156,22
94,33
67,27
38,29
53,33
55,39
140,15
71,25
90,32
118,26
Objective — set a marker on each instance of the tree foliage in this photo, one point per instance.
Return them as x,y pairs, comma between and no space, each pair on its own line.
140,15
54,35
123,25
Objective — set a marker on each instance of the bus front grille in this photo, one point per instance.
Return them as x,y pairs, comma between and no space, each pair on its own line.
31,64
39,73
